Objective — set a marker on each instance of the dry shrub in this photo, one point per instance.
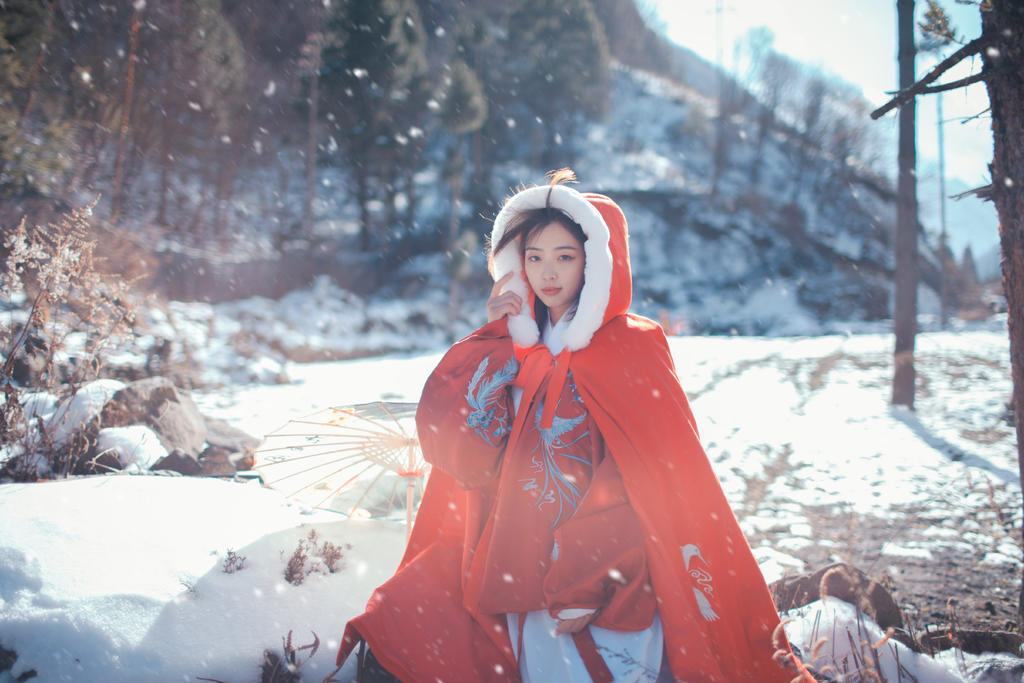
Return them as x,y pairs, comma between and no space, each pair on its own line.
56,339
233,562
125,256
313,555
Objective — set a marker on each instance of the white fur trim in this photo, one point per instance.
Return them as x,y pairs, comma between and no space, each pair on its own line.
597,272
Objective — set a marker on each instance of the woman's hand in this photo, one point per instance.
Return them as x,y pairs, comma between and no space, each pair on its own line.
503,303
575,625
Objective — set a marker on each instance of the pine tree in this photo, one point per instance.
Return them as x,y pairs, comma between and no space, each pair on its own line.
478,44
377,50
463,111
559,67
33,140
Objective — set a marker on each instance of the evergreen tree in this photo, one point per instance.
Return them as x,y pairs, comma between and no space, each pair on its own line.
32,149
377,50
559,67
463,111
480,47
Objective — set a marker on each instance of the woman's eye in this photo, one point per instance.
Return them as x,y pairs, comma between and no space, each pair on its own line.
565,257
533,259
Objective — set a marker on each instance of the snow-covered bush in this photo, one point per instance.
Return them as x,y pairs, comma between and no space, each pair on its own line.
62,315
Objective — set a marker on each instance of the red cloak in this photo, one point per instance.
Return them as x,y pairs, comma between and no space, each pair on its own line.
719,621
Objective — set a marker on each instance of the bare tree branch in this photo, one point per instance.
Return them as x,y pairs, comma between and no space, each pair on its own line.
984,192
953,85
971,48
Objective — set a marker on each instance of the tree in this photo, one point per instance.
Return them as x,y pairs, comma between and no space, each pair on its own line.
377,49
559,68
126,109
32,137
905,242
463,111
220,59
1001,46
310,65
1003,69
775,73
809,126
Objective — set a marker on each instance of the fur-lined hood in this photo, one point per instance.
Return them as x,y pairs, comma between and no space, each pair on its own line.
607,281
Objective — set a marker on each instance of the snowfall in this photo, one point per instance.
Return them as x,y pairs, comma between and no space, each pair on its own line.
139,576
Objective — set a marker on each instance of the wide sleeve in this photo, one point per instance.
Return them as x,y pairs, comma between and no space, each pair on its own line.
599,561
466,410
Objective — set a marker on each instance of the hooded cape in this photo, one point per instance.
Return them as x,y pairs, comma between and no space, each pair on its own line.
719,620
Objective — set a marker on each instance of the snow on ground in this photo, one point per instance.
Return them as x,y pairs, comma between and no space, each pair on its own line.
122,578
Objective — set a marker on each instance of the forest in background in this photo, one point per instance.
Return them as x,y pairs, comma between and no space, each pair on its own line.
166,111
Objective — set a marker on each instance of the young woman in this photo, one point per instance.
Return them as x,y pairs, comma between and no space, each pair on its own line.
572,528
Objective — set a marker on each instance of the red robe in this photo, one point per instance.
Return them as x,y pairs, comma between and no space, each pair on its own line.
641,499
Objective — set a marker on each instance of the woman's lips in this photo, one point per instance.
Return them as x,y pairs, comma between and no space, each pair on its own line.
551,291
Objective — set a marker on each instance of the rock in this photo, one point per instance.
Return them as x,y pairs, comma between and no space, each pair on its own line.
995,668
179,461
222,435
842,581
217,461
972,641
158,404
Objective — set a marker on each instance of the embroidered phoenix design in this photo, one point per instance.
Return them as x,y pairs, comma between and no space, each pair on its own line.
482,397
550,482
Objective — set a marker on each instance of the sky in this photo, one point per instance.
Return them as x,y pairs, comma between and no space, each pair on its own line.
855,40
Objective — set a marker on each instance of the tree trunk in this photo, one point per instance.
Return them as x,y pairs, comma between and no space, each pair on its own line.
119,166
765,120
905,280
363,198
126,110
240,140
37,66
456,196
311,137
171,112
1004,62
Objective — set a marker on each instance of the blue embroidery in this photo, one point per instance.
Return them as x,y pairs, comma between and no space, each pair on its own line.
551,482
482,396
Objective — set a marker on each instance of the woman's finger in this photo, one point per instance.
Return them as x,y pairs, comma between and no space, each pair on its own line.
496,289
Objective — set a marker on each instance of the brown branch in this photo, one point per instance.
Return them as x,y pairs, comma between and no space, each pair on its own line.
981,113
971,48
953,85
984,193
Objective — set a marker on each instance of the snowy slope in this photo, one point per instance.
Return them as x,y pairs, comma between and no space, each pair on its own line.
122,578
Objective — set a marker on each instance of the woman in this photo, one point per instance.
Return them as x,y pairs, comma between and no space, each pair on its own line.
572,528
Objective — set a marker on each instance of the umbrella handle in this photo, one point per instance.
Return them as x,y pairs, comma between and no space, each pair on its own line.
409,484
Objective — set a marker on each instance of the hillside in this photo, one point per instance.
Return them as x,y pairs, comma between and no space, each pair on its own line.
778,225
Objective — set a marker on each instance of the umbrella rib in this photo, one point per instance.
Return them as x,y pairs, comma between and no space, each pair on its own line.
377,423
374,434
343,445
369,488
340,428
310,469
314,483
307,457
392,416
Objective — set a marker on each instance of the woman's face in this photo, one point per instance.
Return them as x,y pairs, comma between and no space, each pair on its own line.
554,260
